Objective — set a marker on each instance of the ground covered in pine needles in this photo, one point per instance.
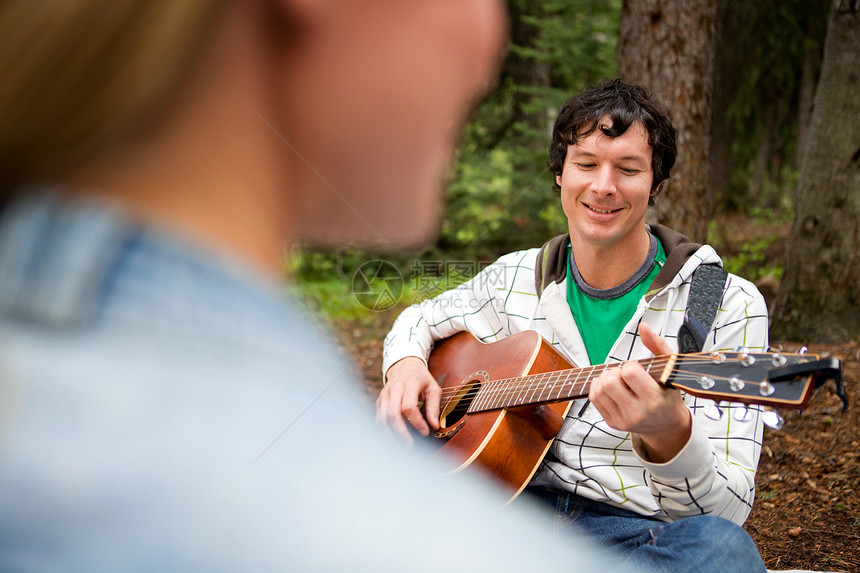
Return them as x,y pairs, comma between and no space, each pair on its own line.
807,515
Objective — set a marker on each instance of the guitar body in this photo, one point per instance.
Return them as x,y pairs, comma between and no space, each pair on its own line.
509,443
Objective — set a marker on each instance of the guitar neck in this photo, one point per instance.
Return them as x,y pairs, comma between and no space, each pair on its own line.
557,386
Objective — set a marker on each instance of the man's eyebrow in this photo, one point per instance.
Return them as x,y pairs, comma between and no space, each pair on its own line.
576,152
579,151
634,158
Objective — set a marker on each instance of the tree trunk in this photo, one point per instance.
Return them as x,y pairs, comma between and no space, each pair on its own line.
819,299
808,78
667,47
763,154
726,80
531,76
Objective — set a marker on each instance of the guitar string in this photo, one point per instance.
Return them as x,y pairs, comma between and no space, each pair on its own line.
541,378
518,389
659,362
552,382
508,397
512,386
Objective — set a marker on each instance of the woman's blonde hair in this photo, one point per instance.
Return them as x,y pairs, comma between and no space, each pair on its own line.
77,75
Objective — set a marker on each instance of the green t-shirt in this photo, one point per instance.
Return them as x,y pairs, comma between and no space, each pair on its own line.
601,315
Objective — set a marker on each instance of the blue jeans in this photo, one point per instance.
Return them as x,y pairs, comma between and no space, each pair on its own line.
695,544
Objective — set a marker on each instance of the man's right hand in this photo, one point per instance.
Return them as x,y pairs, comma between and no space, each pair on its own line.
409,382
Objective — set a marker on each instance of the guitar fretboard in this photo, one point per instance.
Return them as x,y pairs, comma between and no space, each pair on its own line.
547,387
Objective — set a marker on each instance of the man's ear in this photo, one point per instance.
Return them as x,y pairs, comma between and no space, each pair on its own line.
558,180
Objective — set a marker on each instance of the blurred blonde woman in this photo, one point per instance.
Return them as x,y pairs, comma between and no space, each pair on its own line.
163,405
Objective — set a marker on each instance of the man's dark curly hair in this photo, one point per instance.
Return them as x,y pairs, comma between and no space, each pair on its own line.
624,104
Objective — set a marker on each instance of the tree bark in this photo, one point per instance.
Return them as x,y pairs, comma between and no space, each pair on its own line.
808,79
667,46
726,79
531,77
762,161
819,298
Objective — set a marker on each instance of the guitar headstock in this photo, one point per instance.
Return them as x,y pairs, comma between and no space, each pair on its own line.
783,380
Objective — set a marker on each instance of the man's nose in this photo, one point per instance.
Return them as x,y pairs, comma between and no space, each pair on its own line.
604,180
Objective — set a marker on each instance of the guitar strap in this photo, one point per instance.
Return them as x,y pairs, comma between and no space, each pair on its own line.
706,292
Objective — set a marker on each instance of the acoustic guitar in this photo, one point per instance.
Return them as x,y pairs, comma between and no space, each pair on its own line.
504,402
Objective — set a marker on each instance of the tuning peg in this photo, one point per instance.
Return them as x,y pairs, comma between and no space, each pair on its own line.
765,388
747,359
736,384
773,420
706,382
718,357
802,350
712,411
778,359
742,413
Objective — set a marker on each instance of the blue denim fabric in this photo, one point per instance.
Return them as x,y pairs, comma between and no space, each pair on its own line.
694,544
162,408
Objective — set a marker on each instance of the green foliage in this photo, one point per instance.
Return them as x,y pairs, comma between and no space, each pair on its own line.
346,285
751,261
578,40
500,195
755,250
328,298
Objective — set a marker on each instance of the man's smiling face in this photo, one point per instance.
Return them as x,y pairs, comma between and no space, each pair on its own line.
605,187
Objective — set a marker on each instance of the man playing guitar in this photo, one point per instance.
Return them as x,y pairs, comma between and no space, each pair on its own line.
637,466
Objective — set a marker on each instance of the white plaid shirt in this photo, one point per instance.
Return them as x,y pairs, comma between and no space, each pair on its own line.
715,471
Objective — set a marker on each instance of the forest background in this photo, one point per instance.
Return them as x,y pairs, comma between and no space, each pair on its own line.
765,98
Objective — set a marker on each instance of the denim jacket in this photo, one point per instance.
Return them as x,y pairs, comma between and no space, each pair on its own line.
161,407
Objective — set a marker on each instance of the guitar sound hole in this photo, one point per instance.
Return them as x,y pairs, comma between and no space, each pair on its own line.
457,407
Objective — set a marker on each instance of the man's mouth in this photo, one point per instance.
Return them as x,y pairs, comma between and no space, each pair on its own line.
604,211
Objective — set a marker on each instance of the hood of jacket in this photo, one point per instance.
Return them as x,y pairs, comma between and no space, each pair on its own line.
552,260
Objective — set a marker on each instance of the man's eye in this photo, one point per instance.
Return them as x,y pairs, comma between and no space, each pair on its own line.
585,165
628,171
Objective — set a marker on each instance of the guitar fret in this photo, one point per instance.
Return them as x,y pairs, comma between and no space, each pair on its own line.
491,400
566,383
572,389
540,383
522,391
552,382
564,386
483,396
534,387
504,398
577,386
